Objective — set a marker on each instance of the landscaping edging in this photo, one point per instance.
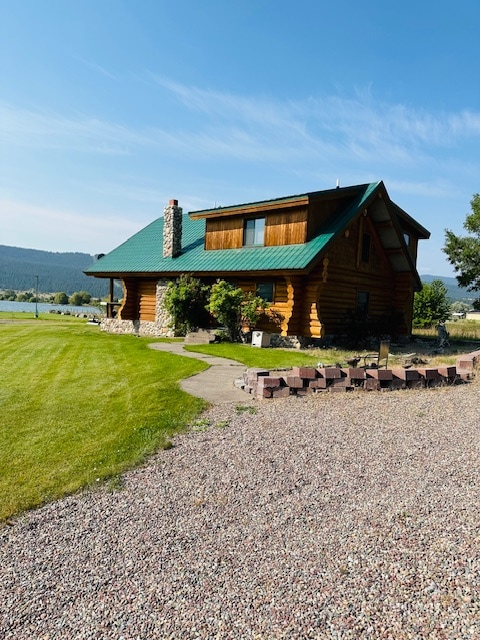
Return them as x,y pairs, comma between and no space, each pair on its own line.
303,381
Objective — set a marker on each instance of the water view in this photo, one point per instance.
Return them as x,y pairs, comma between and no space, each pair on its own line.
43,307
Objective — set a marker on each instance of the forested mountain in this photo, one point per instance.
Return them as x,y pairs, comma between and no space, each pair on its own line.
454,292
64,272
55,271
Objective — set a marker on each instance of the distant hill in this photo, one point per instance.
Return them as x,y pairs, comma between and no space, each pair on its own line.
55,271
64,272
454,292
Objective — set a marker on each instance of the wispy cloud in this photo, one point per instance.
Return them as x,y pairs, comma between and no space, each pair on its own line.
329,129
49,130
360,120
96,67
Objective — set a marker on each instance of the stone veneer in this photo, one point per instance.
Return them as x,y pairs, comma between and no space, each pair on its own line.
172,230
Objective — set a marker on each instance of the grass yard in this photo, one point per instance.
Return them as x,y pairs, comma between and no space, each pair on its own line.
255,357
423,345
79,406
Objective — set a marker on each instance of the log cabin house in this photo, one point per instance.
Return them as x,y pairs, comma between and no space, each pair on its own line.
314,257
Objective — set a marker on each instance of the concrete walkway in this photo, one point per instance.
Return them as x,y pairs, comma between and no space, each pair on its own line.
215,384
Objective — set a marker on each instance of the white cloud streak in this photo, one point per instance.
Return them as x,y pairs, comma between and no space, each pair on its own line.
254,129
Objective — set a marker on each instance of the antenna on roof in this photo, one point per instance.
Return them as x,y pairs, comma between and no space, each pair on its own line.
338,183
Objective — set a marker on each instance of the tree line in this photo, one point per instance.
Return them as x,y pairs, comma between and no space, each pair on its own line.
77,299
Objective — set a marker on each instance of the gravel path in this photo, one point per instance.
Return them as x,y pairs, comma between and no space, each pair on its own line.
336,516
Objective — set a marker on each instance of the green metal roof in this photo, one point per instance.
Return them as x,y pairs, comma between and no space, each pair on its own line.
143,252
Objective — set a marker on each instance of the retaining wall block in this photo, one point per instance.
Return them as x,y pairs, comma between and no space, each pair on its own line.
405,374
270,381
331,372
318,383
307,373
372,384
380,374
264,392
429,373
304,391
466,363
281,392
341,382
355,373
295,382
448,372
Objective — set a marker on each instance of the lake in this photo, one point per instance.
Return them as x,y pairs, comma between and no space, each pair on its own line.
43,307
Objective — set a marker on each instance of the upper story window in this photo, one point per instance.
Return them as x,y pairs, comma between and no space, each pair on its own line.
366,244
254,232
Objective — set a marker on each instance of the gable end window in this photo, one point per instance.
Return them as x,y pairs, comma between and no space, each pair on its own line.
254,232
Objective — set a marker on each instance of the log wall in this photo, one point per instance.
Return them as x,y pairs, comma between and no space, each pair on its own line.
139,299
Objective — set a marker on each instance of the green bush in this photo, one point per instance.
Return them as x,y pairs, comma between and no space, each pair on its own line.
235,309
186,300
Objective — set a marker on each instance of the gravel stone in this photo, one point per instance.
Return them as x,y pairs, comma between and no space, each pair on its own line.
330,516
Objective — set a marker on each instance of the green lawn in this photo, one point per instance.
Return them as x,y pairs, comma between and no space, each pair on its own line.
78,406
255,357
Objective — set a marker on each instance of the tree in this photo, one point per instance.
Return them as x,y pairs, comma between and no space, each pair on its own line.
463,252
431,305
459,307
235,309
185,300
79,298
26,296
60,298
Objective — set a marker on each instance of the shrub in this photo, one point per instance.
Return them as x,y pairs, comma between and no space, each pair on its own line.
235,309
185,301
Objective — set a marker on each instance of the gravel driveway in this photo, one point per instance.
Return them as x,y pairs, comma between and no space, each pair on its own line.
351,515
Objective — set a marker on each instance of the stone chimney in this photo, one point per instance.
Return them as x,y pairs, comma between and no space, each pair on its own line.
172,230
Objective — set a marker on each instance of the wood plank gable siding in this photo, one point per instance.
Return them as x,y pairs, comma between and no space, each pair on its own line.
321,210
281,228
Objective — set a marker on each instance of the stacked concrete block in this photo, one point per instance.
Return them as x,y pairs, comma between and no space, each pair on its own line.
272,387
250,379
406,378
302,381
430,376
467,365
449,374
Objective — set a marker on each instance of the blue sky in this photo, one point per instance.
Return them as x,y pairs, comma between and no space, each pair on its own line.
109,108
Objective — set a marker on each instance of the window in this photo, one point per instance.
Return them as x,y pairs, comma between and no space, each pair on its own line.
254,232
265,290
362,302
366,242
406,237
